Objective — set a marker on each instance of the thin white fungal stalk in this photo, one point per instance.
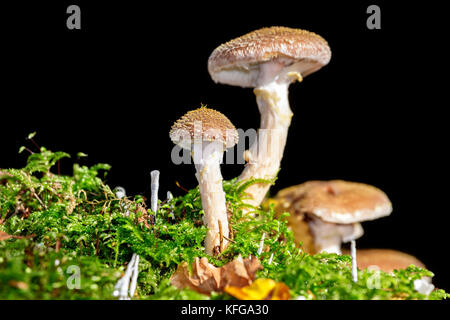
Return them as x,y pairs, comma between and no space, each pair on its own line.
117,287
207,158
354,265
261,244
134,277
154,187
270,259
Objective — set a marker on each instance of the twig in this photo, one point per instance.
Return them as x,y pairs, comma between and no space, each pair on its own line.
229,239
96,245
39,199
179,186
35,144
221,235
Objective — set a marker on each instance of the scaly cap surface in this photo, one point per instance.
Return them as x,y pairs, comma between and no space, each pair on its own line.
204,124
236,62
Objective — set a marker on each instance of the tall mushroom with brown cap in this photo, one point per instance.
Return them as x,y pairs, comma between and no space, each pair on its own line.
333,210
269,60
207,133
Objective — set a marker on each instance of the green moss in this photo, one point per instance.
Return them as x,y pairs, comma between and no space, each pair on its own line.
78,221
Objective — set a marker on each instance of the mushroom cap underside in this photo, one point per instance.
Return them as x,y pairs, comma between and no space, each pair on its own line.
337,201
236,62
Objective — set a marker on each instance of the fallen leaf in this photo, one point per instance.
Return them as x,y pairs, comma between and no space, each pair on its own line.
5,236
206,278
18,284
260,289
240,272
144,218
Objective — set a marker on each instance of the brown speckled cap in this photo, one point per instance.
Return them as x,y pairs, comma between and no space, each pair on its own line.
206,124
237,62
338,201
385,259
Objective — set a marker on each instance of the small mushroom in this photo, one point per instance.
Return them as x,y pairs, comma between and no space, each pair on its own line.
207,133
331,211
268,60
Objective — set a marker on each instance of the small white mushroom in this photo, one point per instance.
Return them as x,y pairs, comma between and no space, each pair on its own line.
120,194
207,133
154,175
122,287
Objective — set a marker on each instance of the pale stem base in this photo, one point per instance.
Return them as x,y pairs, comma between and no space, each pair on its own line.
207,158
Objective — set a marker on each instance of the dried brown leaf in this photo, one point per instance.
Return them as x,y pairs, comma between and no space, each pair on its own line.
18,284
5,236
206,278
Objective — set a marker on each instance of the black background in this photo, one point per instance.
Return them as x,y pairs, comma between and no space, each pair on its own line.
114,88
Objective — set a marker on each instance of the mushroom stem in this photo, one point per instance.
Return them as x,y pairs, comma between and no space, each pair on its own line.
154,193
207,158
329,236
354,263
264,157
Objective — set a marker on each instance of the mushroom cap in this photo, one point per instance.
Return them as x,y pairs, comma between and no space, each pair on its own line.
385,259
203,124
338,201
236,62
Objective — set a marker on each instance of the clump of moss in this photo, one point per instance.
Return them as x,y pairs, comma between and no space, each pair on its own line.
78,221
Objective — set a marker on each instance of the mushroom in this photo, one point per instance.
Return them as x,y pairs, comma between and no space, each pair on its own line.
385,260
268,60
330,212
207,133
